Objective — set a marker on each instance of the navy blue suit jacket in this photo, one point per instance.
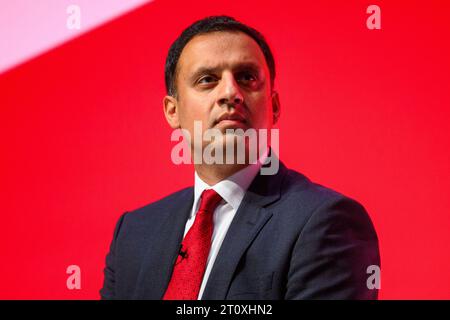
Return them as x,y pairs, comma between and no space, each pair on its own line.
290,239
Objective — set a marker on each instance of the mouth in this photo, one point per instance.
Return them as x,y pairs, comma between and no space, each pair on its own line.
233,120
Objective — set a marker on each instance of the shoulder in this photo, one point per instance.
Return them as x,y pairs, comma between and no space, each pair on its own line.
159,209
315,204
300,189
166,202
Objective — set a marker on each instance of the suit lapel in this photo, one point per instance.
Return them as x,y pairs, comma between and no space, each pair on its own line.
163,249
247,223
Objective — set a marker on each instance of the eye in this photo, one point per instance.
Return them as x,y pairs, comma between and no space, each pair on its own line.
206,80
246,77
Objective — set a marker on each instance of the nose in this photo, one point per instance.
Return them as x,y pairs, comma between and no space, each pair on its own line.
230,92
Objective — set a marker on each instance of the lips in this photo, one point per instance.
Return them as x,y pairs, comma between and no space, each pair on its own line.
231,118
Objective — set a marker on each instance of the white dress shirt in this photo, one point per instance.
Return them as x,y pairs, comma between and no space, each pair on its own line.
232,191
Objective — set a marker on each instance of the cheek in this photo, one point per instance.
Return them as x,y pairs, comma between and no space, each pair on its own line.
193,109
261,109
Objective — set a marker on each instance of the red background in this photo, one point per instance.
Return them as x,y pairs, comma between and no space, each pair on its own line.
363,111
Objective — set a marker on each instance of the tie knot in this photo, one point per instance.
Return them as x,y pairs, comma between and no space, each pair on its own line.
209,200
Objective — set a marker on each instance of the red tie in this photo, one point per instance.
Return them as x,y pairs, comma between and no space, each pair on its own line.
191,263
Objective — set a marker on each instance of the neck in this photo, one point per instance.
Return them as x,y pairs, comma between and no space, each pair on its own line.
212,174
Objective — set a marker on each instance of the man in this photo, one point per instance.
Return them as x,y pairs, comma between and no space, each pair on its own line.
238,233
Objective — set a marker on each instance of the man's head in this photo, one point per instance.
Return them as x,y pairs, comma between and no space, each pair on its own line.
220,72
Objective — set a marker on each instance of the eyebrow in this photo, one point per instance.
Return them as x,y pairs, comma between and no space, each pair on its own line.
212,70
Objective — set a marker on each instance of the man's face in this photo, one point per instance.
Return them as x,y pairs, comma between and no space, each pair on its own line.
223,81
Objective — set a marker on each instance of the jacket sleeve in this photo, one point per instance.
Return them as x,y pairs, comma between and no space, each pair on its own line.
107,292
332,254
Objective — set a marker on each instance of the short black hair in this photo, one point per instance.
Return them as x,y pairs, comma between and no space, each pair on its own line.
207,25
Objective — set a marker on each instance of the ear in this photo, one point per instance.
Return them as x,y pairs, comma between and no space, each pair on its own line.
170,106
275,106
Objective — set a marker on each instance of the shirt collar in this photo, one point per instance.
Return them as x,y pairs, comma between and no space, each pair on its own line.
231,189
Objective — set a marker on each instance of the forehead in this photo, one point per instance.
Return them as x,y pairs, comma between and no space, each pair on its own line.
221,49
